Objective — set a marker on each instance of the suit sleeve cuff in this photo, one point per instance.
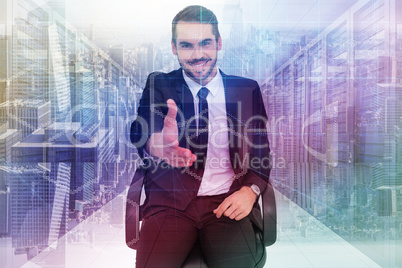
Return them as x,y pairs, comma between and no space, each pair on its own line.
261,184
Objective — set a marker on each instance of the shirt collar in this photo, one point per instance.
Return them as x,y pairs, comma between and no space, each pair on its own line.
213,86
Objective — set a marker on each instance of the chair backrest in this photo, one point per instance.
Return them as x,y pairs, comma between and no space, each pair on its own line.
269,215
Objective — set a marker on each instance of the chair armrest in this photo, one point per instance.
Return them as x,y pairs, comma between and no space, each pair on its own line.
269,215
133,209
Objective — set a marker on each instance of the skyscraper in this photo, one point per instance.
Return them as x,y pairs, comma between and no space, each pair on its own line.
39,205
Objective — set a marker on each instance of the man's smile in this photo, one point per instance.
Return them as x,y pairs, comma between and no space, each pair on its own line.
199,64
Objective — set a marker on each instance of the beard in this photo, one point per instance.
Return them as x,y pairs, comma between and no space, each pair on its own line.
188,69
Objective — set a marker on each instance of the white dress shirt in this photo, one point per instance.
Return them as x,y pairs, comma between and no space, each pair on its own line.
218,174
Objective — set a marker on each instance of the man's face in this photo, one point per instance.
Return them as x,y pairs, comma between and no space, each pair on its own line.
197,50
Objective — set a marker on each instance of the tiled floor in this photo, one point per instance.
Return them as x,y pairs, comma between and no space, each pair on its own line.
97,243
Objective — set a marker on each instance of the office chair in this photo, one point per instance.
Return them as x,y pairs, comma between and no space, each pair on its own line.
195,259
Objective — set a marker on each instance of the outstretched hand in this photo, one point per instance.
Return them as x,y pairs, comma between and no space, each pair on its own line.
165,144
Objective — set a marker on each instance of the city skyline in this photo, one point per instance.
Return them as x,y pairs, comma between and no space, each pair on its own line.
133,23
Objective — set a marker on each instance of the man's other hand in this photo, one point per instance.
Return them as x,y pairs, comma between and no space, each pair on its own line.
165,144
237,205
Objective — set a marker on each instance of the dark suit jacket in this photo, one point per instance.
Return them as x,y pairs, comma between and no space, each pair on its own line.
166,186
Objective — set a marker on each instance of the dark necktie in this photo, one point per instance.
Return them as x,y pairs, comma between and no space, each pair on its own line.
203,123
203,115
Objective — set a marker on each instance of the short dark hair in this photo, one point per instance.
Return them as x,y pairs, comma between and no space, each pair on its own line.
198,14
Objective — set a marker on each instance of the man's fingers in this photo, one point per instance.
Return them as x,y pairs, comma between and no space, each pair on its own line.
240,216
168,144
180,151
231,212
178,156
222,208
170,118
179,161
234,214
177,151
170,131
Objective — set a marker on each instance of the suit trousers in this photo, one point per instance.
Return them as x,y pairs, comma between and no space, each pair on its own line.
168,235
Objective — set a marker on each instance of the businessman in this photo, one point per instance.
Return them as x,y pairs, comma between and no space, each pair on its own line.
203,135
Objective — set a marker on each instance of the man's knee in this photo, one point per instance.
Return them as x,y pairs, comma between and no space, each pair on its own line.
230,243
165,241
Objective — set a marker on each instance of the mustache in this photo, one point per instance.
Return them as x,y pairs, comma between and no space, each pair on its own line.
195,61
